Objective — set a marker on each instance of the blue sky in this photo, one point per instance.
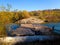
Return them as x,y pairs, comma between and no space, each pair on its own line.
30,5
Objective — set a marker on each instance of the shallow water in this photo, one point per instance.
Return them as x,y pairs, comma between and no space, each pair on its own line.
55,25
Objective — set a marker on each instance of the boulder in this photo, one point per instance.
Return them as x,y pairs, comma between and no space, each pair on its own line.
42,30
38,29
27,25
30,20
23,32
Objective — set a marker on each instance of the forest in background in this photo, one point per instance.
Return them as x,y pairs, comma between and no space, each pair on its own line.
7,16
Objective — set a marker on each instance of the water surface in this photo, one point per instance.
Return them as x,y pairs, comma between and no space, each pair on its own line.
55,25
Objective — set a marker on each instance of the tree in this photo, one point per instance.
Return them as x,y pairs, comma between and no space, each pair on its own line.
8,7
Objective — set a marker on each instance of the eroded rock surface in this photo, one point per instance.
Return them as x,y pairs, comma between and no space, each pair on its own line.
23,32
31,29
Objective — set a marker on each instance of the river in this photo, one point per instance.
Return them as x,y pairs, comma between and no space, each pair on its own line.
55,25
33,38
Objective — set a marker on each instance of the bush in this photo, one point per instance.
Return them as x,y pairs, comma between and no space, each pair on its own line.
2,31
